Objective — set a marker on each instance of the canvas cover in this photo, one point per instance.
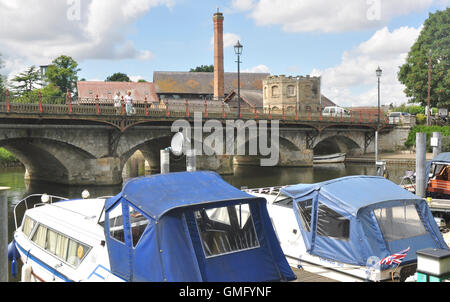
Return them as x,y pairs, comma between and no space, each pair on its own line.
170,249
443,158
378,217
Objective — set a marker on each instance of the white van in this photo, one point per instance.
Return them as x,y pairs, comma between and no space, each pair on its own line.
335,111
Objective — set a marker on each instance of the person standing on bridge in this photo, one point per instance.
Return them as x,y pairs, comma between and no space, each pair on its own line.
117,102
129,103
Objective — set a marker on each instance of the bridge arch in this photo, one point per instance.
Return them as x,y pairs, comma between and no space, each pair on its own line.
336,144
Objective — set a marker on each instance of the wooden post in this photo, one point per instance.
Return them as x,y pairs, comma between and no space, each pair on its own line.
8,106
3,234
40,102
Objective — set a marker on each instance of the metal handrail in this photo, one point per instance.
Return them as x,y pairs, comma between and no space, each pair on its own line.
25,202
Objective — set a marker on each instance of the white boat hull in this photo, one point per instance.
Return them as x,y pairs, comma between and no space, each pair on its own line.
331,158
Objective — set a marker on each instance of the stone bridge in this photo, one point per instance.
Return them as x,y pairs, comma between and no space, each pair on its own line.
81,147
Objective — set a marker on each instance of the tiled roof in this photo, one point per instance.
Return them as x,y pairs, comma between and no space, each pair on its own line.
107,90
203,82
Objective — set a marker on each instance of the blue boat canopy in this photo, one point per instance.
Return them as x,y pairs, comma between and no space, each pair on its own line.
441,158
353,219
190,227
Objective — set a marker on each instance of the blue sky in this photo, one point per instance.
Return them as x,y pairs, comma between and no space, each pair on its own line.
342,41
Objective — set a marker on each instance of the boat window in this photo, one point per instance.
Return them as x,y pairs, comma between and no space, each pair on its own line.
138,224
226,230
284,201
332,224
28,225
76,252
40,236
116,223
399,222
304,211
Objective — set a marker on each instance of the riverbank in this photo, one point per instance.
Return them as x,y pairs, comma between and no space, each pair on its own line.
394,158
8,160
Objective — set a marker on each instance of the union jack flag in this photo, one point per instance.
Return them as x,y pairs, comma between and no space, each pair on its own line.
395,258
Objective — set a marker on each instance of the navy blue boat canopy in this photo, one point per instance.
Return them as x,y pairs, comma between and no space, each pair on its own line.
352,219
191,226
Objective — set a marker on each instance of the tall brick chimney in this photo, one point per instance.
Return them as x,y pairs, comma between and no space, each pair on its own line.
219,90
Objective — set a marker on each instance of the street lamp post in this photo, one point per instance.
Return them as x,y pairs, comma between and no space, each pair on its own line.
238,50
379,72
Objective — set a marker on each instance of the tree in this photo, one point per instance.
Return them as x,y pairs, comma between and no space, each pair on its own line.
2,79
63,73
203,68
118,77
27,80
435,36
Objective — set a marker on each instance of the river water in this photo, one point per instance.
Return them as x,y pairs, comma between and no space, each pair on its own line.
248,176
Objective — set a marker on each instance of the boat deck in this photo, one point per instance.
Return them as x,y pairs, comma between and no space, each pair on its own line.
305,276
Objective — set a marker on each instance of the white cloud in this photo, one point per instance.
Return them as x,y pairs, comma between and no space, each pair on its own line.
329,16
258,69
36,32
354,83
229,40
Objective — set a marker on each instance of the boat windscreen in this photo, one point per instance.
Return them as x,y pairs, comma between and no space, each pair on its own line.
284,201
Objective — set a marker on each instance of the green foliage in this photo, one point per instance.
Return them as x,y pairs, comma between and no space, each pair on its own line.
63,73
445,144
142,81
2,79
118,77
203,68
49,95
26,81
411,109
421,118
411,141
7,158
435,36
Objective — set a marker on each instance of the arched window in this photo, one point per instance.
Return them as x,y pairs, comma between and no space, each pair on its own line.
275,91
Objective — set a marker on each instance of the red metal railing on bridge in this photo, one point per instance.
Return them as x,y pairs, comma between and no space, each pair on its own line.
173,109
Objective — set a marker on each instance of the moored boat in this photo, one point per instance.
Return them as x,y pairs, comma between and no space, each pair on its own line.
343,228
329,158
172,227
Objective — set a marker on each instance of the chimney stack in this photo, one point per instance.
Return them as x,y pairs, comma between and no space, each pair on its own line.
219,90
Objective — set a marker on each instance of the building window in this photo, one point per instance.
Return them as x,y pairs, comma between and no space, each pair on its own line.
265,91
291,90
275,91
332,224
226,230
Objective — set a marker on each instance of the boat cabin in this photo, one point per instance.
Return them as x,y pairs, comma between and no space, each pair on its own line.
352,219
438,173
191,227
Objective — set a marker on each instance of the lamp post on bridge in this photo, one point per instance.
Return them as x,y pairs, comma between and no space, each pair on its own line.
379,73
238,50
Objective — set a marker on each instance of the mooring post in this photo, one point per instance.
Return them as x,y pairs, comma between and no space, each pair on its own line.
165,161
421,139
190,161
4,234
436,143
